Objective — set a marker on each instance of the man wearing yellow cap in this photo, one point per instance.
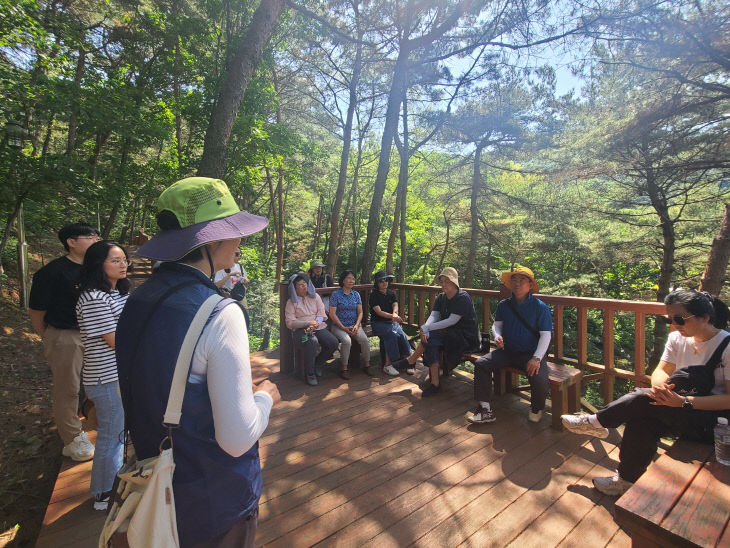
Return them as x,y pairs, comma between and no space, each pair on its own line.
522,329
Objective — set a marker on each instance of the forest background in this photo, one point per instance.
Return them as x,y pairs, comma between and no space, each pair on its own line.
404,136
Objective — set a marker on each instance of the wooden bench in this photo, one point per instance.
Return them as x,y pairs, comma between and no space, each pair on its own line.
683,499
564,386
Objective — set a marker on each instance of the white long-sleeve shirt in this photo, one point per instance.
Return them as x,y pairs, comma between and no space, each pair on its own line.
240,416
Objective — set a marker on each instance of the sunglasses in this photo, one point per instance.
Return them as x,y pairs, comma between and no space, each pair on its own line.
679,320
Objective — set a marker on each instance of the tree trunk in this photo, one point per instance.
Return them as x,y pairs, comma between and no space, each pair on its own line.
73,120
399,217
393,234
8,224
178,107
317,228
666,269
403,243
213,161
476,184
118,200
389,129
446,246
714,275
333,251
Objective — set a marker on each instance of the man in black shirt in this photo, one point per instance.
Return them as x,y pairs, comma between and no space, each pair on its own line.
52,312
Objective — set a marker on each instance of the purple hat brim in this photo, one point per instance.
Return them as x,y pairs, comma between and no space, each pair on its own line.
171,245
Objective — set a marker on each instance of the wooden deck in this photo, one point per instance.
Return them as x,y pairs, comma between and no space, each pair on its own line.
368,462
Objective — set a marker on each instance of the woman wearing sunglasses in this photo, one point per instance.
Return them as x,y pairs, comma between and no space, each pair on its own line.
698,323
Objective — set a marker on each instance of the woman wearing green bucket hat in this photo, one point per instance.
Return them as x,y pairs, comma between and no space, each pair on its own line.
217,481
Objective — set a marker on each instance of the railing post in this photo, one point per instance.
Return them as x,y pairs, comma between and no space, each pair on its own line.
639,344
582,336
608,357
411,306
421,307
286,349
486,316
558,332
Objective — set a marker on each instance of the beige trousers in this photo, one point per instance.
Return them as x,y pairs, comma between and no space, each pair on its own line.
64,352
346,344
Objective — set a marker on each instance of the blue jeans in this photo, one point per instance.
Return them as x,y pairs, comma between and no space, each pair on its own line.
394,340
110,424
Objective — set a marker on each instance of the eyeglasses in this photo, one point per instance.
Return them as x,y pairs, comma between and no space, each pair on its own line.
119,262
679,320
91,237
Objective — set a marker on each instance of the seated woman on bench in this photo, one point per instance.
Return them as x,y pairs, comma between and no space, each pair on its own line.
698,338
451,328
304,315
385,321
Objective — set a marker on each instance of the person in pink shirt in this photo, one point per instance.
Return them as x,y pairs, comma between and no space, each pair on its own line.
304,315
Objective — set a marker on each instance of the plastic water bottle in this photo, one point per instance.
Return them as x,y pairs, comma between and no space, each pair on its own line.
722,441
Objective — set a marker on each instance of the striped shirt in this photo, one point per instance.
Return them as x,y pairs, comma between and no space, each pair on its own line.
98,313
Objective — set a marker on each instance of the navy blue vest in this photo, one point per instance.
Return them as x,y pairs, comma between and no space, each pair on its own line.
213,490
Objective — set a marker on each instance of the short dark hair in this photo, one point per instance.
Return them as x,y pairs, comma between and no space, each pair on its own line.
701,303
74,230
345,273
92,269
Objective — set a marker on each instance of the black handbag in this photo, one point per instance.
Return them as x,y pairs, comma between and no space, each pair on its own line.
238,292
698,380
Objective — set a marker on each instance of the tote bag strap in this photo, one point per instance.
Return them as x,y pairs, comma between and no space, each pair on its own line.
182,367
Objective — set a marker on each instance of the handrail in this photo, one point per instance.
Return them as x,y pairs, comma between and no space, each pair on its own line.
415,306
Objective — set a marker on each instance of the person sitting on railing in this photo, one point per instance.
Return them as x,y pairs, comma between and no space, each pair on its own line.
321,279
304,314
318,276
346,315
385,321
522,331
451,328
698,339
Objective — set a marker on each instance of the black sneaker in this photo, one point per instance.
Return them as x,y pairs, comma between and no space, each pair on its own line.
101,501
430,390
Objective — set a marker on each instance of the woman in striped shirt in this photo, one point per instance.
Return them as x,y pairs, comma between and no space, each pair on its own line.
104,290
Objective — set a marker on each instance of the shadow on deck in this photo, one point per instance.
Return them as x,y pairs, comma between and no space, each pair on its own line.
368,462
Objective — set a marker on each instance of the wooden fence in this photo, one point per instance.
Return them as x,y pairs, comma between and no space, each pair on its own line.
415,303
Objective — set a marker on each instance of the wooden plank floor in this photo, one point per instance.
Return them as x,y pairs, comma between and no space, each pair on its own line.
367,462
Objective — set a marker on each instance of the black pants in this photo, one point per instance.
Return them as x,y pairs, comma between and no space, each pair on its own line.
487,365
241,535
646,424
308,348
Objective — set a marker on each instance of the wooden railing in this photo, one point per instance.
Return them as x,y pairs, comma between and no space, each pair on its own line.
415,301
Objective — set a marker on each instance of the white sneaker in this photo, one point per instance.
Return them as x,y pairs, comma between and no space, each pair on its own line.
80,449
613,486
580,424
390,370
534,417
411,370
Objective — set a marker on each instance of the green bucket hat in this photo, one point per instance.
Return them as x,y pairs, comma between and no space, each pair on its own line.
206,212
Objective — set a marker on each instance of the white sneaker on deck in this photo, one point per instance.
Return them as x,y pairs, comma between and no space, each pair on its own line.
534,417
613,486
80,449
580,424
390,370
